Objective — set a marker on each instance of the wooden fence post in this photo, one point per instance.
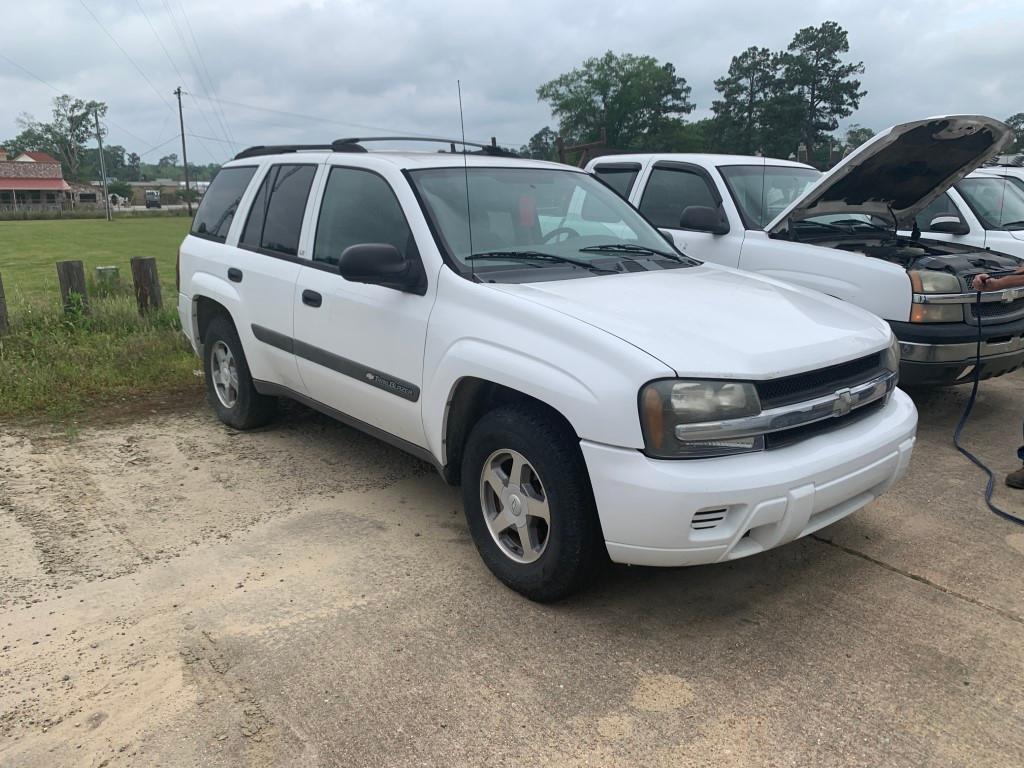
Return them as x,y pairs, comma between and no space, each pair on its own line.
71,275
147,283
4,323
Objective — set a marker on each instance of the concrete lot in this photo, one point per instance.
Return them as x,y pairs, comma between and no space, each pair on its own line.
176,594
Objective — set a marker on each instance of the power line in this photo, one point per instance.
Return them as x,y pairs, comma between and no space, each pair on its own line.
137,67
158,146
218,115
174,66
206,70
55,89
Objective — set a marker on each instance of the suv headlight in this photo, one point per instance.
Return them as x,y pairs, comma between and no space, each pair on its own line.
927,281
891,357
668,403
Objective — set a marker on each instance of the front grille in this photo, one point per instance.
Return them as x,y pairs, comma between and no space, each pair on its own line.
786,437
824,381
998,311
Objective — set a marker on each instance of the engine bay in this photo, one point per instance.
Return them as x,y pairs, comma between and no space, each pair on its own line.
926,254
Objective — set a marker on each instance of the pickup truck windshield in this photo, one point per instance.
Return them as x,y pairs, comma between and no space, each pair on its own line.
533,224
762,192
998,203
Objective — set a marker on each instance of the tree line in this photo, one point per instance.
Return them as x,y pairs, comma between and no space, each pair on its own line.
70,136
771,103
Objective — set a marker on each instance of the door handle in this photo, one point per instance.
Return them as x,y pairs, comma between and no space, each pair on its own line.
312,298
235,275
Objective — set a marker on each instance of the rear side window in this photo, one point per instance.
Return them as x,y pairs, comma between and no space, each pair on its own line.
669,192
359,207
275,219
217,210
619,176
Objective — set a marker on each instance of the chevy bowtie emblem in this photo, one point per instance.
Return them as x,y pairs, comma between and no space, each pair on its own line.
844,402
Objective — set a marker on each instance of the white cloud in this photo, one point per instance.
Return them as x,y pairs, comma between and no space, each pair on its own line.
393,65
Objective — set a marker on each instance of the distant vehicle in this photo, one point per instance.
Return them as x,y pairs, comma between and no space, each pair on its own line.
592,389
837,233
153,198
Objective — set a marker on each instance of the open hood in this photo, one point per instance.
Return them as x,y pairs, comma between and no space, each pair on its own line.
901,170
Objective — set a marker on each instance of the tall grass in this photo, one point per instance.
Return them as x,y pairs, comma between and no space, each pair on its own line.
66,366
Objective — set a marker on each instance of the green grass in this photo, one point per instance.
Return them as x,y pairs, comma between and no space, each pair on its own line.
30,249
67,368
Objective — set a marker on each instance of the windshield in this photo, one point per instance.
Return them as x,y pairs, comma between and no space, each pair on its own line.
998,203
762,192
532,224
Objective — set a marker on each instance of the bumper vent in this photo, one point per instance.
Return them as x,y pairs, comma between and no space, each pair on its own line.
707,519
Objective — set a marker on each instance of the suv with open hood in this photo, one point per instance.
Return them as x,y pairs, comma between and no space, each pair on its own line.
838,233
520,327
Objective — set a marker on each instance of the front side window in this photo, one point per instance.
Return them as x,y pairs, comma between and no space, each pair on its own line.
618,176
275,218
762,192
217,210
359,207
998,203
670,191
529,224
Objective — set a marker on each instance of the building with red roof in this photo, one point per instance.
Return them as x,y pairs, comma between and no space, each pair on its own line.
34,181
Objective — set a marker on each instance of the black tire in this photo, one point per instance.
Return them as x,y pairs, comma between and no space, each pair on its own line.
574,549
250,409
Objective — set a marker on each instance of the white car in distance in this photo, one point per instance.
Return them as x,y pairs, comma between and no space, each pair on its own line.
519,326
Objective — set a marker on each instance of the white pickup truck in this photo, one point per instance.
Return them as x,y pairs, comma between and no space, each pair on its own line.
837,233
519,326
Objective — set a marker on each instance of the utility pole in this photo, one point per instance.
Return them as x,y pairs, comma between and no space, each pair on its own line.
184,152
103,164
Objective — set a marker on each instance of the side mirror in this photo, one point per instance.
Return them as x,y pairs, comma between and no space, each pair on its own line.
951,225
378,264
703,219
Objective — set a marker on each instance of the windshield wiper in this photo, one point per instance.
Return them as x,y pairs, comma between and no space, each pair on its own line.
1014,224
630,248
536,256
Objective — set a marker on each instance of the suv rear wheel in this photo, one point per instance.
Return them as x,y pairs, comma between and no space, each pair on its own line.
528,503
229,386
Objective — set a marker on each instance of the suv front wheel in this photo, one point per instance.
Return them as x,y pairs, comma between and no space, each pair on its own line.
229,386
528,502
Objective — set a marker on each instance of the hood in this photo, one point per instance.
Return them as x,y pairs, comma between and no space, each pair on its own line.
711,321
902,169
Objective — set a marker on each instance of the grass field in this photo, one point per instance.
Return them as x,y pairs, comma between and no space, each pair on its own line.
72,367
29,250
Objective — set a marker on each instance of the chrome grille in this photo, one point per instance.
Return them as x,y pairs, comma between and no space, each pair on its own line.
806,386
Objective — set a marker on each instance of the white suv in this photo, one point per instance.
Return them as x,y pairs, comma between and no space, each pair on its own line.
522,328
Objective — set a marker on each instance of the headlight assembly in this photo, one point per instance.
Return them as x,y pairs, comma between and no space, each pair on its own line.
668,403
891,356
927,281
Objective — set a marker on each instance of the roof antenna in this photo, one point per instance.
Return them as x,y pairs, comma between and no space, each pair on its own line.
465,170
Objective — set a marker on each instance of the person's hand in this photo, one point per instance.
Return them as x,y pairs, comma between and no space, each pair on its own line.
981,282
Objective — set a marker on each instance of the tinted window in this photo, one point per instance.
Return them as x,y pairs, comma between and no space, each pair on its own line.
216,211
288,191
941,206
669,192
253,232
620,178
359,207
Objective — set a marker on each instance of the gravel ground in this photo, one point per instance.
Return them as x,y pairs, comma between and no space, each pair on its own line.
173,593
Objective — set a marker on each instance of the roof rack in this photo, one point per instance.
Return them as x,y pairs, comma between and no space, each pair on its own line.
277,149
354,144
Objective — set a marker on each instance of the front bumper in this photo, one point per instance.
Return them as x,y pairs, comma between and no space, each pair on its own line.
944,354
689,512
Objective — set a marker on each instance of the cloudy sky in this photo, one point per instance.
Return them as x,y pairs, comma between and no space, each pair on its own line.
313,70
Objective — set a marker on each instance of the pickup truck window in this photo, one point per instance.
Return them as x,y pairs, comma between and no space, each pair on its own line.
670,191
537,224
359,207
618,176
275,218
940,206
998,203
762,192
217,210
